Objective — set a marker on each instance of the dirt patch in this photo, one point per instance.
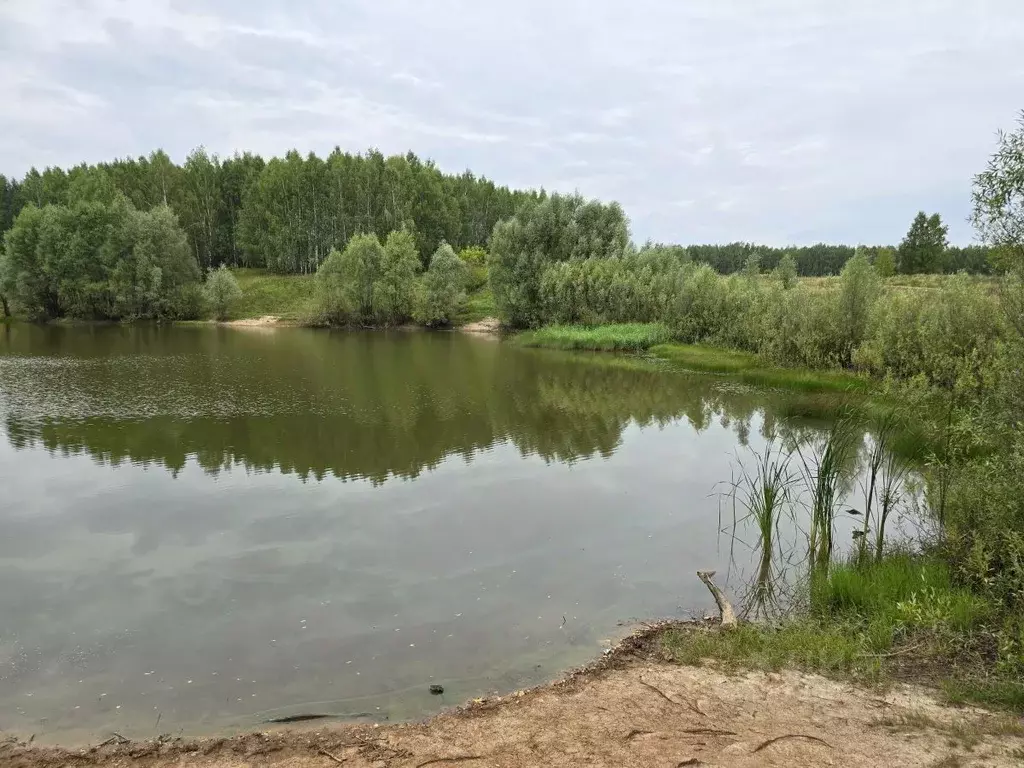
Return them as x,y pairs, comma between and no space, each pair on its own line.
627,709
488,325
254,322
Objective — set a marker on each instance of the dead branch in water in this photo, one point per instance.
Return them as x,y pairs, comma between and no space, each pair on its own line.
725,611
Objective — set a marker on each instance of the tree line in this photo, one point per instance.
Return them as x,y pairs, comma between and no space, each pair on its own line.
286,214
290,214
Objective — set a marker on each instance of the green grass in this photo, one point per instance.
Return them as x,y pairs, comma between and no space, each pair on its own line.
479,305
622,337
902,617
750,369
290,297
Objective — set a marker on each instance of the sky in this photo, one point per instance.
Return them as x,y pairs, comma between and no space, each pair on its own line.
775,121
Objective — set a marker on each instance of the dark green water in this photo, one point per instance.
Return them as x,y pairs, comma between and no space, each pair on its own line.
202,528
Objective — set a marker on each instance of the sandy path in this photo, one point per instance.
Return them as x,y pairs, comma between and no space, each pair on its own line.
639,713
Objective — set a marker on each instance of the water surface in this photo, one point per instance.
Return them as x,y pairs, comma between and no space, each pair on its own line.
203,528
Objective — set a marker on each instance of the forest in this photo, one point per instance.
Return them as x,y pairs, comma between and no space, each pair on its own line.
287,215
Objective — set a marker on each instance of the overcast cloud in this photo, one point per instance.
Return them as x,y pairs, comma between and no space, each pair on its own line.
782,121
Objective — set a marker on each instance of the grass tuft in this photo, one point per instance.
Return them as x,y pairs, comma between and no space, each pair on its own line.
623,337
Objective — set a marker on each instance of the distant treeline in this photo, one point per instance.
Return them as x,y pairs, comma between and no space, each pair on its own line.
286,214
823,259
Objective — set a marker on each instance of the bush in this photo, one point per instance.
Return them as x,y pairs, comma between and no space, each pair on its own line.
99,259
560,228
394,288
221,291
885,262
345,281
932,332
443,290
475,259
859,287
785,272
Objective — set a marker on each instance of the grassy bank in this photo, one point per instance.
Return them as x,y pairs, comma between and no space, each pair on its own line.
750,369
622,337
903,618
290,297
655,338
479,305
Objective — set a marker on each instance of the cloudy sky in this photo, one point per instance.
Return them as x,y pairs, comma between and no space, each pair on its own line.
780,121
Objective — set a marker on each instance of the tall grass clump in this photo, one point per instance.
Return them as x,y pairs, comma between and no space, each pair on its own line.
827,465
622,337
761,496
883,484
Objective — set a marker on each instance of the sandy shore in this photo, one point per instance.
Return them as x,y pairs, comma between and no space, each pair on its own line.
630,708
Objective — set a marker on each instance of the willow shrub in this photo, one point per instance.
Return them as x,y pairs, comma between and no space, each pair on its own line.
856,323
637,287
931,331
442,291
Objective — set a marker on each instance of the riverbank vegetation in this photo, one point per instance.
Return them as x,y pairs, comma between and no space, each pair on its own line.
948,355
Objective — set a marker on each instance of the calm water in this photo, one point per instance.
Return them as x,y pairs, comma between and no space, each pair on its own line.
202,528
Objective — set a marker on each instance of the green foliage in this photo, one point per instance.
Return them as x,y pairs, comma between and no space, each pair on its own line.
924,246
475,259
346,279
394,289
885,262
297,209
859,288
558,229
289,297
866,622
998,200
479,305
157,276
931,333
749,368
636,287
99,260
786,272
221,291
752,266
624,337
443,290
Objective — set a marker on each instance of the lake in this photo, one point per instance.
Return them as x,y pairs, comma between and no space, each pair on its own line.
207,527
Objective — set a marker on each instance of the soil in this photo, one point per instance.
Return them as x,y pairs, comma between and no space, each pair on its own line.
628,709
254,322
488,325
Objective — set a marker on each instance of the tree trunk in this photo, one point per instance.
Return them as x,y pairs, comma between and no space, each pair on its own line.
6,306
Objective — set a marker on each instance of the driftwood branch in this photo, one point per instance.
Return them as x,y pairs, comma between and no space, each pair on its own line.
764,744
728,615
335,758
439,760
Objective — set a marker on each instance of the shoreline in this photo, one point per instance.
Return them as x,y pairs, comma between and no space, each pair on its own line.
683,715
